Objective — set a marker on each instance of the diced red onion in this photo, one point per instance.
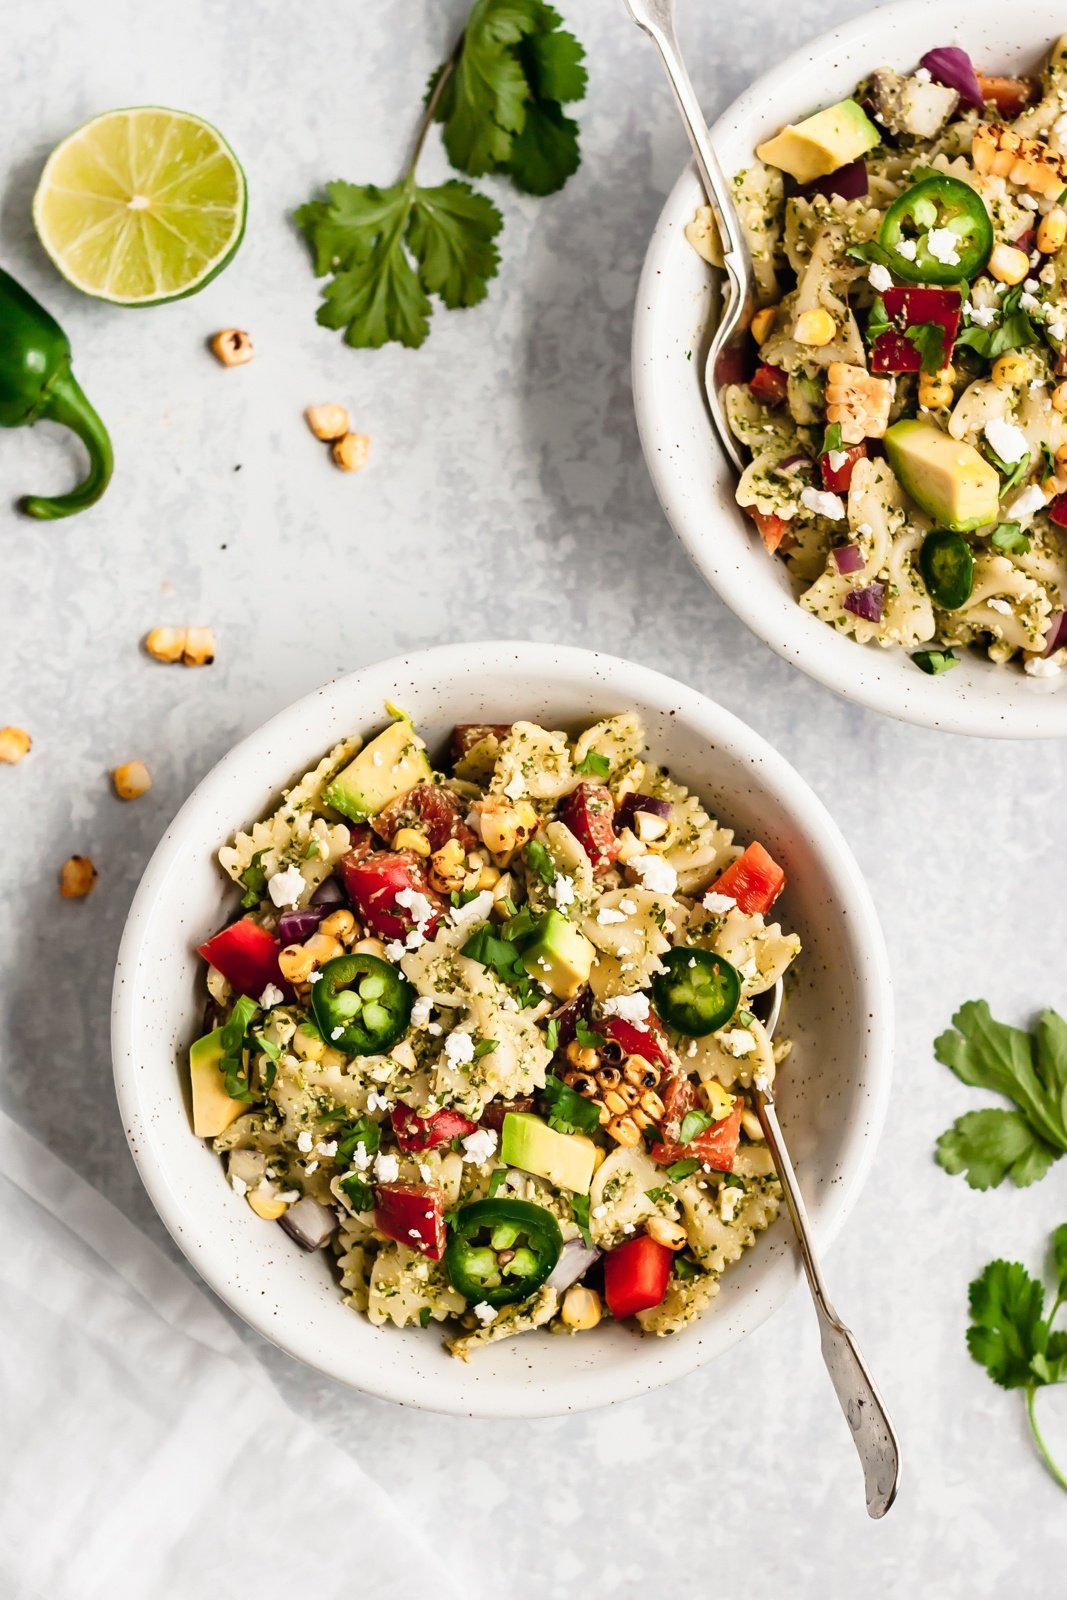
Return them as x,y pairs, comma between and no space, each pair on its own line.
1056,637
574,1259
848,558
328,893
309,1223
849,183
794,466
955,69
867,603
633,803
296,926
1026,241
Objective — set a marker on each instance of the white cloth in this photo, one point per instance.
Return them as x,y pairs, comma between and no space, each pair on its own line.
143,1452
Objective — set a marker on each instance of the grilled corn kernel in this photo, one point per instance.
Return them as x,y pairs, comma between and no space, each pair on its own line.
1059,398
295,963
506,826
339,925
652,1105
624,1130
267,1206
448,868
814,328
322,948
763,322
131,780
1029,163
488,878
664,1231
719,1101
310,1045
1052,231
1010,370
1008,265
583,1056
581,1308
351,452
14,744
371,947
328,422
193,647
609,1077
411,839
859,402
76,878
615,1103
233,347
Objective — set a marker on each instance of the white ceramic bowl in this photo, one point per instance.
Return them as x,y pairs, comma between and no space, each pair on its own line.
676,305
832,1097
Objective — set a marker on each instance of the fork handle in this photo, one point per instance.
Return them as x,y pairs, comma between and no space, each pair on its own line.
857,1394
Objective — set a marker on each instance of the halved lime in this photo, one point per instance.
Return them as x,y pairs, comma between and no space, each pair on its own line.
141,205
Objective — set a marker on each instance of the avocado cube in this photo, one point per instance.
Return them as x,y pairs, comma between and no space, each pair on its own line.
560,956
566,1159
389,766
952,483
823,143
213,1109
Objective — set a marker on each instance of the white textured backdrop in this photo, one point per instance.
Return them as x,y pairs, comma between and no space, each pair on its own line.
507,497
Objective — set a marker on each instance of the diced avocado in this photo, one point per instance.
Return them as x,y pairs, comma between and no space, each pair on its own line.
213,1110
560,956
390,765
821,144
565,1159
952,483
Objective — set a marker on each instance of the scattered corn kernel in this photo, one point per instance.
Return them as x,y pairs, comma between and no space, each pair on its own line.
1010,370
411,839
581,1309
448,868
328,422
76,878
1059,398
14,744
488,878
506,826
371,947
1008,265
295,963
814,328
664,1231
1061,460
193,647
131,780
1052,231
719,1101
233,347
763,322
351,452
267,1206
339,925
585,1057
322,948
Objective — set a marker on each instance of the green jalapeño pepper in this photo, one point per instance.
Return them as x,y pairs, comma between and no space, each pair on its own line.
361,1004
962,232
35,382
947,568
698,992
500,1251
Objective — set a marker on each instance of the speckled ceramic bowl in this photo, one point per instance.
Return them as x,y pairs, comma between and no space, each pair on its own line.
832,1096
676,306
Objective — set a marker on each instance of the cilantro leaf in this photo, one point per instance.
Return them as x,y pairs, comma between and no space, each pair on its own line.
683,1169
1012,330
694,1123
483,103
1030,1070
594,765
364,1131
544,154
934,662
553,60
359,1192
588,1037
1013,472
1009,537
878,320
540,862
569,1112
1059,1256
451,235
552,1034
232,1046
254,878
929,340
832,439
580,1213
485,1047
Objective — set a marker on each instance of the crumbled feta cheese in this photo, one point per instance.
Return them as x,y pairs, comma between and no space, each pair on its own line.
823,504
996,604
879,277
285,888
485,1313
944,245
420,1011
628,1227
416,902
335,1034
315,977
271,996
1028,503
479,1146
1045,666
459,1047
1007,439
239,1186
836,459
629,906
736,1041
311,1166
562,891
476,910
630,1007
922,75
304,1141
515,787
1056,330
907,248
654,873
395,950
598,1212
434,1029
378,1102
425,1172
607,915
386,1166
1029,301
718,904
327,1147
415,940
1031,286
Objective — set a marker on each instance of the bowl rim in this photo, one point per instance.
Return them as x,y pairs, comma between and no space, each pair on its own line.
287,729
837,661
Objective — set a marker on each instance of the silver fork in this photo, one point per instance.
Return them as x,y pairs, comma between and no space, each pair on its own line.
872,1432
656,18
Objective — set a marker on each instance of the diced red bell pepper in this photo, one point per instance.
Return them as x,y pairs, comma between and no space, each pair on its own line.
754,880
412,1214
838,480
1057,511
1011,96
590,815
246,955
634,1040
372,883
769,385
636,1276
465,735
772,529
909,307
426,1133
433,810
716,1147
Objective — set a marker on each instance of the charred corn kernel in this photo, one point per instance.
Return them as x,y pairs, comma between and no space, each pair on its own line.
664,1231
193,647
615,1102
857,402
581,1056
371,947
815,328
624,1130
1052,231
1059,398
328,422
448,868
310,1045
339,925
1010,370
488,878
719,1101
506,826
411,839
1029,163
581,1308
322,948
652,1105
351,452
131,780
165,644
763,322
609,1077
1008,265
14,744
233,347
267,1206
750,1123
933,394
76,878
295,963
583,1084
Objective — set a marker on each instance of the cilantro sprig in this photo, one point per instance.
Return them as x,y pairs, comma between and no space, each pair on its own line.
499,98
1013,1339
1030,1070
568,1111
1012,330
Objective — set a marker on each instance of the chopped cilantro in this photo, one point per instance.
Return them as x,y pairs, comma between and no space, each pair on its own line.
232,1045
359,1191
684,1268
832,439
569,1112
1013,330
683,1169
1013,472
497,1181
552,1034
540,862
364,1131
593,765
588,1037
485,1047
254,879
580,1212
929,340
424,1316
878,321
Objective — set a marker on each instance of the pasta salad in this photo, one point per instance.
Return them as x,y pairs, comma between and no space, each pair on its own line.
906,424
488,1034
